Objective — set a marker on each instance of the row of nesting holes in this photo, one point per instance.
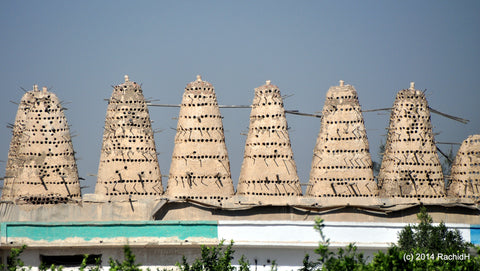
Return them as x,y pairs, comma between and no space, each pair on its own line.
412,151
202,116
132,181
48,154
202,140
45,166
269,91
129,109
202,177
129,117
201,128
132,160
268,144
348,151
146,137
200,104
412,139
344,138
130,148
270,194
417,171
47,118
267,116
133,193
46,182
116,101
200,96
145,124
200,88
201,197
401,96
269,127
345,196
47,142
342,179
199,157
335,109
344,121
270,103
272,181
255,156
345,167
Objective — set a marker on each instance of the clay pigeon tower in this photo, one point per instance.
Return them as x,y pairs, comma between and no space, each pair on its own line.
341,164
411,167
268,168
128,161
200,167
465,173
41,167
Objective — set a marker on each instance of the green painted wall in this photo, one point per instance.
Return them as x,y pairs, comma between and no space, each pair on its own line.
60,231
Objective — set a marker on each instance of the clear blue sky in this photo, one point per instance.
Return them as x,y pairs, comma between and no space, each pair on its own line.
81,48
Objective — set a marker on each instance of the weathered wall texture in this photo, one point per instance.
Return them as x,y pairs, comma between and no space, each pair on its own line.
200,168
465,173
128,161
410,166
341,164
268,168
41,167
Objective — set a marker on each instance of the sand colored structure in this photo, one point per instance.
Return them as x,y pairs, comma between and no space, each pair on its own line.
465,172
268,167
128,161
41,167
410,166
200,168
341,164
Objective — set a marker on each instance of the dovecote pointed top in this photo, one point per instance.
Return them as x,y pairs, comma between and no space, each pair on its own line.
410,166
128,166
268,168
341,164
41,165
199,86
200,167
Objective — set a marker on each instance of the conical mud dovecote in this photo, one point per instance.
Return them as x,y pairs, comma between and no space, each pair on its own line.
341,164
128,161
200,167
465,173
41,167
268,167
410,166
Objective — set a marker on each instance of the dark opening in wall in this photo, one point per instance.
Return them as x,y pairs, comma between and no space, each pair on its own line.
69,260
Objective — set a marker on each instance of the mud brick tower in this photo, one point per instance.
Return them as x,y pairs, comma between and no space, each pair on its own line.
200,168
410,166
41,167
128,161
268,168
465,173
341,164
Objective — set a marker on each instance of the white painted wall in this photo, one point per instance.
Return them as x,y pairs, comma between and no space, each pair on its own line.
302,234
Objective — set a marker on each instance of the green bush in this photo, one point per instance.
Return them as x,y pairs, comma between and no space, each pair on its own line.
214,258
96,267
128,263
14,262
419,247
